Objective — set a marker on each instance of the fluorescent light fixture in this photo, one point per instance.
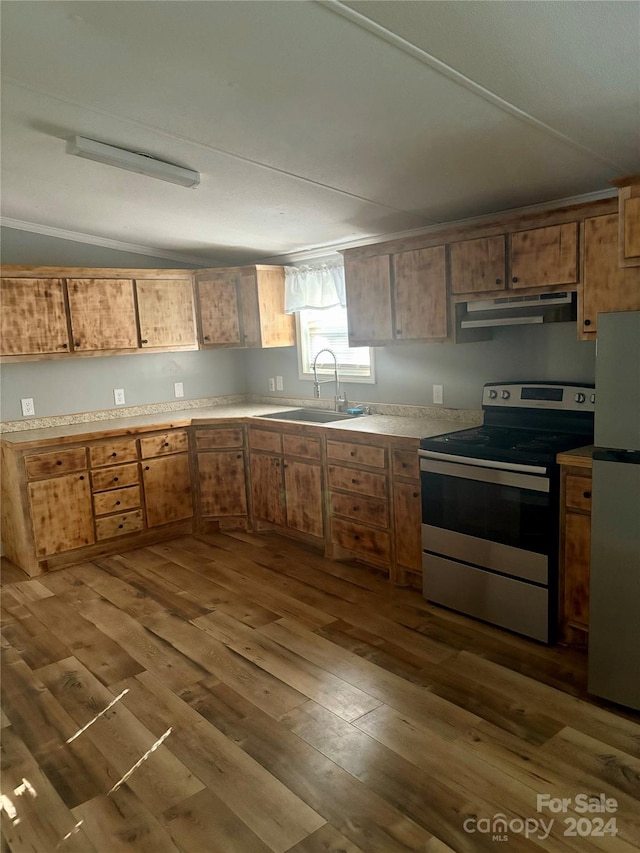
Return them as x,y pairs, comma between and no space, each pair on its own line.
144,164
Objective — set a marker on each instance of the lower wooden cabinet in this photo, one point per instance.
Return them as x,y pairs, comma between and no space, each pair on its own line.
267,488
167,489
61,513
407,512
303,496
575,554
221,478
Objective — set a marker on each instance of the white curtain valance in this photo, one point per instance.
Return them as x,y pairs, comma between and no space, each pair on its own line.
317,286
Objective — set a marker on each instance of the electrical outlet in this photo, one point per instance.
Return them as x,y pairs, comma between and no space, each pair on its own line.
438,394
118,396
279,383
272,384
178,389
28,409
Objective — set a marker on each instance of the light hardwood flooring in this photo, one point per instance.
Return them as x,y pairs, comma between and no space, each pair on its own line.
240,693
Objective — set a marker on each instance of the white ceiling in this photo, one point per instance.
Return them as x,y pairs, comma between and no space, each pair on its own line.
312,123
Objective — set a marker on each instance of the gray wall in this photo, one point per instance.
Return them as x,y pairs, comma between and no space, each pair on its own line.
406,373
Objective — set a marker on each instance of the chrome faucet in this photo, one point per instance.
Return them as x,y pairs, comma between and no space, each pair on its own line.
340,399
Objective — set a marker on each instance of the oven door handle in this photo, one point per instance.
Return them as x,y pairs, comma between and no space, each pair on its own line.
485,471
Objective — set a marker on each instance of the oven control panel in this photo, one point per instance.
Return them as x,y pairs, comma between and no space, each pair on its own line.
540,395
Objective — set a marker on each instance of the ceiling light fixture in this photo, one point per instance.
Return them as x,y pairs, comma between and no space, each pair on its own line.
144,164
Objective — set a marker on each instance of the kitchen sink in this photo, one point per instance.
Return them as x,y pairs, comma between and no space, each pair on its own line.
316,416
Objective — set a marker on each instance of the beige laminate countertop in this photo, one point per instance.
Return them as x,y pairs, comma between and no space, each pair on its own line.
408,427
581,457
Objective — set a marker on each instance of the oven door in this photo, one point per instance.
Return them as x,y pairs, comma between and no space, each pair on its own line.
488,514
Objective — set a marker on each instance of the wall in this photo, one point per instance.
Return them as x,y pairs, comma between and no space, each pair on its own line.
86,384
405,374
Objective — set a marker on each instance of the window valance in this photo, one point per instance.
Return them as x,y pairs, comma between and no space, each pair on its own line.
314,286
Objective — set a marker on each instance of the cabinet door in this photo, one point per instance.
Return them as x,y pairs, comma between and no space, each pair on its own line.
165,308
221,480
368,286
103,314
61,513
219,317
167,489
577,561
607,287
478,265
544,256
631,229
33,317
267,488
303,485
277,329
408,515
420,294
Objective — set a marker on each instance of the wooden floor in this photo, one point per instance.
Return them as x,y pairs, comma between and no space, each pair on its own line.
243,694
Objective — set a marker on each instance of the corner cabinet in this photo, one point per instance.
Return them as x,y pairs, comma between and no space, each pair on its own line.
397,297
243,307
221,475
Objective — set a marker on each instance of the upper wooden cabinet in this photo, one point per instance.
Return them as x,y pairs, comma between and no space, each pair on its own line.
478,265
166,313
243,307
398,297
538,257
606,286
34,319
103,314
629,222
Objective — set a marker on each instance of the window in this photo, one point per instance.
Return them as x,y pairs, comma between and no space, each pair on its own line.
327,327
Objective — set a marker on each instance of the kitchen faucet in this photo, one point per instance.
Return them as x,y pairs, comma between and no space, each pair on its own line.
340,399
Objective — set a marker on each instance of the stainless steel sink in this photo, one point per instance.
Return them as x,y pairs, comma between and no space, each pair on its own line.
316,416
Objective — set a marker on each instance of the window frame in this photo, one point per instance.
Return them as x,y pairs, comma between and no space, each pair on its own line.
343,371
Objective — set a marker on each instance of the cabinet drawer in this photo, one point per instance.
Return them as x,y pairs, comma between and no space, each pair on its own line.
169,442
211,438
578,492
295,445
359,482
359,508
365,454
361,540
405,464
264,439
115,478
116,500
118,525
113,453
59,462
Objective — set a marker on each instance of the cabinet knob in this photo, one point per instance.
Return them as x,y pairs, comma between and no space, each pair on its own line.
77,343
586,494
353,453
146,467
117,503
144,341
82,476
59,462
239,456
114,453
416,494
357,537
207,338
166,444
276,462
115,479
398,331
355,482
514,279
120,526
498,281
587,322
356,509
64,346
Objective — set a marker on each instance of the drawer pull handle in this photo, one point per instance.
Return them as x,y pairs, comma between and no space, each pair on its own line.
117,503
120,526
114,453
59,462
115,479
166,444
353,453
586,494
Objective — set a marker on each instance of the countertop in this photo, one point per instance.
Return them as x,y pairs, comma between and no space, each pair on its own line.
408,427
581,457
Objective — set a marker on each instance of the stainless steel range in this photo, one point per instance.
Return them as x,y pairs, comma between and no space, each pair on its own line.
490,505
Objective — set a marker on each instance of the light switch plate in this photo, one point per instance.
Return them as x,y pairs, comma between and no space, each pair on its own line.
118,396
178,389
279,383
438,394
272,384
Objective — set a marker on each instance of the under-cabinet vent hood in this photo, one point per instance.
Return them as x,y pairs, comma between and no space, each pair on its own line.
520,310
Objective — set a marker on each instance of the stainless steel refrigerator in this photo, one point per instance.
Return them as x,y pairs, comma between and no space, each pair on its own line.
614,619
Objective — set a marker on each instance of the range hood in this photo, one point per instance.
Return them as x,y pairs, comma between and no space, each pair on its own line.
519,310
